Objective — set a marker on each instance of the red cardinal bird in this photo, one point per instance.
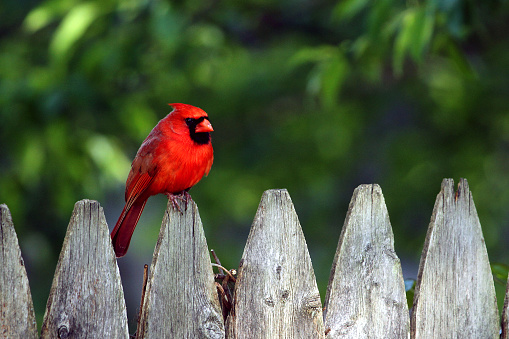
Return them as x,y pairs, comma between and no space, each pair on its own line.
173,158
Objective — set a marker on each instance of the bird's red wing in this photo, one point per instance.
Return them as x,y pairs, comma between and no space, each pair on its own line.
142,173
123,231
137,185
136,198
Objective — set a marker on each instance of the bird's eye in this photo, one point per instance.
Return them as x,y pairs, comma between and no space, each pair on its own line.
189,121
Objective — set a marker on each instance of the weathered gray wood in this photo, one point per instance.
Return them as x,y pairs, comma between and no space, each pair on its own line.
454,294
181,300
86,299
505,314
276,295
17,318
366,293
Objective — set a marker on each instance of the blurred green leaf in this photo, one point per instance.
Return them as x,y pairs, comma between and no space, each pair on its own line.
416,29
72,28
330,71
32,159
108,157
345,10
46,13
500,272
313,55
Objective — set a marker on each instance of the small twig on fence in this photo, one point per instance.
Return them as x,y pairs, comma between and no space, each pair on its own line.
217,260
230,274
221,291
223,288
144,288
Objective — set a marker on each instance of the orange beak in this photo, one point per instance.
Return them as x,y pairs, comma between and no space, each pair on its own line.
204,126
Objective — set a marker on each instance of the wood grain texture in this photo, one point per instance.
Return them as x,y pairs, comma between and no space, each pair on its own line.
17,318
276,295
505,314
454,294
366,293
181,300
86,298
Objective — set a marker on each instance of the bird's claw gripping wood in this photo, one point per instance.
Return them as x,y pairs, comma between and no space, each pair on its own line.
184,196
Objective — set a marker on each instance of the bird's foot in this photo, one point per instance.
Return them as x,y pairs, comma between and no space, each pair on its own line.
174,198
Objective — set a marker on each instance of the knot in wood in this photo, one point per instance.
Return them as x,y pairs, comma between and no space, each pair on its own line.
278,272
312,304
211,325
269,301
63,332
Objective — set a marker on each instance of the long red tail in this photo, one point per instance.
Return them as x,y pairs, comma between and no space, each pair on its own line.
123,231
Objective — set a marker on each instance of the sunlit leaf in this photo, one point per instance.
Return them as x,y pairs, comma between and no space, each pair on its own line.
46,13
72,28
349,8
331,69
334,74
404,39
108,157
312,55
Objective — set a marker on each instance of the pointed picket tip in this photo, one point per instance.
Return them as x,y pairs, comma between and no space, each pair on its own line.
181,299
86,298
17,317
366,293
276,283
454,294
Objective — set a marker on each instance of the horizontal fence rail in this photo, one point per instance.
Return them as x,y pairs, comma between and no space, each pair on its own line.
274,292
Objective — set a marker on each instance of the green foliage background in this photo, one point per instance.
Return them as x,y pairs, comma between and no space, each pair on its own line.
313,96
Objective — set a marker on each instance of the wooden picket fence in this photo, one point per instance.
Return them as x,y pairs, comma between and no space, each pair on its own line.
275,294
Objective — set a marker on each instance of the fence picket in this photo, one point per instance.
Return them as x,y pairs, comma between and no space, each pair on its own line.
454,294
86,298
366,293
181,300
17,318
276,295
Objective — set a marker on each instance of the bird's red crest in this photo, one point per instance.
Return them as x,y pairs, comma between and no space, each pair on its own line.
189,110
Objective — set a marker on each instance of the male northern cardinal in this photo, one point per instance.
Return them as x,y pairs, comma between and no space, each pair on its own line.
173,158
